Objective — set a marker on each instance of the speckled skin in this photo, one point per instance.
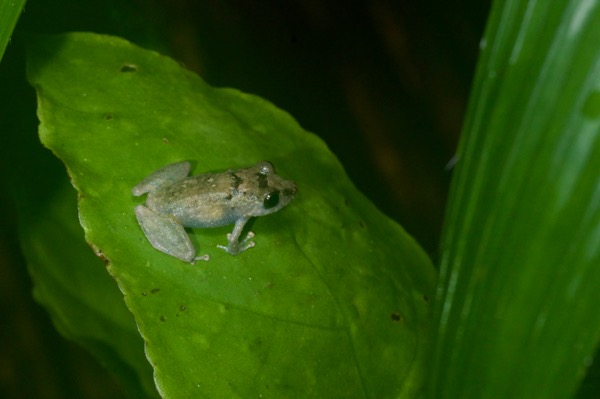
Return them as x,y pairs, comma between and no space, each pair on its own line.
176,201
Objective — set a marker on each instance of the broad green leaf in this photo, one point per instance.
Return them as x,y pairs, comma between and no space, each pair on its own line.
520,271
332,301
85,303
10,11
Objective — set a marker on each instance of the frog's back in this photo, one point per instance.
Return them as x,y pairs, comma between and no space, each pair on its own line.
197,201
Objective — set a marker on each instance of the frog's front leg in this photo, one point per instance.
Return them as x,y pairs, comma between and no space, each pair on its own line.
166,235
235,246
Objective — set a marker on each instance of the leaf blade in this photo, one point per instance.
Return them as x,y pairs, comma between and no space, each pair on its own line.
330,301
520,244
10,11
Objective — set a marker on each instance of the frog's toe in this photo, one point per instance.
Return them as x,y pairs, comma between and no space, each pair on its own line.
226,248
247,245
203,257
249,236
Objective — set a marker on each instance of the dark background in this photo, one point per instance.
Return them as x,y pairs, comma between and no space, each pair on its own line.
384,83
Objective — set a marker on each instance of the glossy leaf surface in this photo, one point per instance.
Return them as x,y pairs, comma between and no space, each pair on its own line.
332,301
517,304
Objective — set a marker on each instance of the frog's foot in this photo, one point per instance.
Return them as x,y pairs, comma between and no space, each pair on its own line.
234,247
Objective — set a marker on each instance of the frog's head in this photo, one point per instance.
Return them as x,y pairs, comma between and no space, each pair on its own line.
273,192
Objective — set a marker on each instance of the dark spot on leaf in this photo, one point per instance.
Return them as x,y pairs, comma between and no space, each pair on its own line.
108,117
396,317
99,253
154,290
129,68
362,224
256,342
346,202
165,140
182,308
144,294
163,318
426,298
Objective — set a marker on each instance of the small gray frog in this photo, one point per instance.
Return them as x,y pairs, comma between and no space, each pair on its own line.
176,201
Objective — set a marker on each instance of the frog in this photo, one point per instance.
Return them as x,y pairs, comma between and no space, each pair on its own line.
176,201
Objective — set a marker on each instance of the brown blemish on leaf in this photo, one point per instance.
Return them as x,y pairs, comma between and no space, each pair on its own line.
129,68
396,317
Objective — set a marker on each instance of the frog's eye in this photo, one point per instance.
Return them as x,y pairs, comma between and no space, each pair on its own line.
271,200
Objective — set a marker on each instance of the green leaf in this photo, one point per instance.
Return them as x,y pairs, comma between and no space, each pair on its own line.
85,303
332,301
519,277
10,11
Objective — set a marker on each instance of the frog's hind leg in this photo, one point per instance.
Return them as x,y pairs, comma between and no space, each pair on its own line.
168,174
166,235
